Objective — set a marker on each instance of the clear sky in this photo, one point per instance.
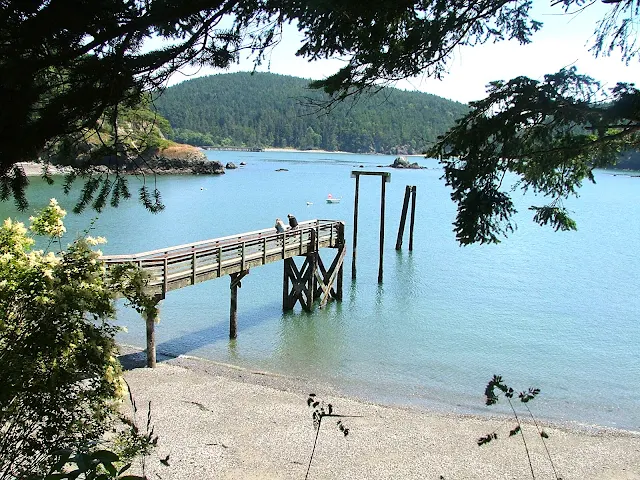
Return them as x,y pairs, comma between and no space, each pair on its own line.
563,41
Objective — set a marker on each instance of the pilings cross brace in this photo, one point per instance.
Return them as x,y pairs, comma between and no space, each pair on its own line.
312,281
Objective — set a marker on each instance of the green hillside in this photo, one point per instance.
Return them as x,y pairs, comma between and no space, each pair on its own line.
269,110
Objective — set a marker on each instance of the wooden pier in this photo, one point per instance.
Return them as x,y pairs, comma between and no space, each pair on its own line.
233,256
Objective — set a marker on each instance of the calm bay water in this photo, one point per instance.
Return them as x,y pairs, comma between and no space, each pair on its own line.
559,311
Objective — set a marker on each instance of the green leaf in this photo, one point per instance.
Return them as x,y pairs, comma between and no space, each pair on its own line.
105,456
62,460
110,468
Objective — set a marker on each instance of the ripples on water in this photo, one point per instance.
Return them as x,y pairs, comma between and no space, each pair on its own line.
554,310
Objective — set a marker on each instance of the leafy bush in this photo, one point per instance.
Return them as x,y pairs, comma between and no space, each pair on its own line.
61,381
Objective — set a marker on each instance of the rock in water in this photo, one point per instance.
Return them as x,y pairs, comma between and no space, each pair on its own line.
401,162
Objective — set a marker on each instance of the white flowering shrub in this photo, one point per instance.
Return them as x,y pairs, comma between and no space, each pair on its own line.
60,381
49,222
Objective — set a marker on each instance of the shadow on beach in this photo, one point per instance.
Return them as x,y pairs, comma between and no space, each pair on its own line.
132,360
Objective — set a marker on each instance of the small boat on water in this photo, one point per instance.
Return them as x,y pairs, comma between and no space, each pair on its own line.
332,199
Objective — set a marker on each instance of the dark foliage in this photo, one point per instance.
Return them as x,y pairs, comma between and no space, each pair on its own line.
550,134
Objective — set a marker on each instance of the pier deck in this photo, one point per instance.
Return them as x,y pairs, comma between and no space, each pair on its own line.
183,265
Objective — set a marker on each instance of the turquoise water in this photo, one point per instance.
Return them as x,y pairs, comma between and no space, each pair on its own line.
558,311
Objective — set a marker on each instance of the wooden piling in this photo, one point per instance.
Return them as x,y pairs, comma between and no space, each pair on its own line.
382,205
355,229
403,217
233,314
341,270
285,284
413,213
233,309
151,339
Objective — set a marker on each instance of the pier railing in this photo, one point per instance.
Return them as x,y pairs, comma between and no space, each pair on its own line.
182,265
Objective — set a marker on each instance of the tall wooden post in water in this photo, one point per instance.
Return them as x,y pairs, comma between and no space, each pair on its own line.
413,215
386,178
410,190
382,204
355,227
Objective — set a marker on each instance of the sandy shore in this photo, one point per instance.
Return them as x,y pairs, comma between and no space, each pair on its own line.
219,421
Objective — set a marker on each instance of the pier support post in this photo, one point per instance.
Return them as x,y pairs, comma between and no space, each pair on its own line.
151,317
233,310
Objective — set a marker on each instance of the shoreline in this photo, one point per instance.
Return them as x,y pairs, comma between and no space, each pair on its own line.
251,424
34,169
340,152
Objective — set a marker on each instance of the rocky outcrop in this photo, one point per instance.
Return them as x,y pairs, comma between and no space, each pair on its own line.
174,159
178,159
402,162
230,165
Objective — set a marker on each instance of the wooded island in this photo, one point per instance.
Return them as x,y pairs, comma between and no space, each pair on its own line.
269,110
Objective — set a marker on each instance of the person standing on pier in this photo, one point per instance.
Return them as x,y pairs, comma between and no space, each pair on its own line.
293,223
280,227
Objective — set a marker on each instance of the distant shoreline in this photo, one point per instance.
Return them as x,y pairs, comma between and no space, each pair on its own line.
34,169
294,150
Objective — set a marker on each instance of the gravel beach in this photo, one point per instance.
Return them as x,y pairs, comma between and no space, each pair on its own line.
33,169
223,422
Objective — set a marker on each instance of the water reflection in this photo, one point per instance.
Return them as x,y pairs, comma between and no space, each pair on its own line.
312,342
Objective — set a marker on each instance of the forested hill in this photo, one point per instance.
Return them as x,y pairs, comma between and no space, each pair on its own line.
269,110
